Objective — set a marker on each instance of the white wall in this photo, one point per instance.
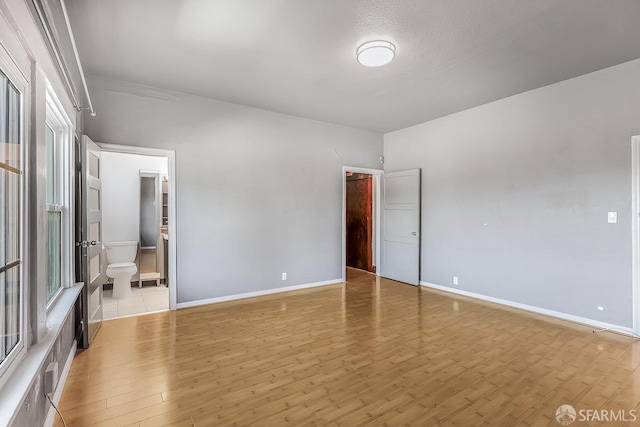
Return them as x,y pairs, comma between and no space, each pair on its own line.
121,193
258,193
515,195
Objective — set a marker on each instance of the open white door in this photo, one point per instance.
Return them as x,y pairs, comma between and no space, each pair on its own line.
91,243
400,249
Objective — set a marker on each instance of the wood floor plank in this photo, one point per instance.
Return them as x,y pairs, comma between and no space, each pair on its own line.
368,352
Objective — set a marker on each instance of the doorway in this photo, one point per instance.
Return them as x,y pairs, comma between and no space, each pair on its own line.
360,219
138,189
635,231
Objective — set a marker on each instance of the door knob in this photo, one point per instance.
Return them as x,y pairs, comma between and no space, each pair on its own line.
414,233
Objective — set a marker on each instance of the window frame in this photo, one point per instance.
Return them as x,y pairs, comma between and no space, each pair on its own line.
59,122
20,83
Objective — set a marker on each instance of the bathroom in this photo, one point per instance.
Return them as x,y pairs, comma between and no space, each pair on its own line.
134,234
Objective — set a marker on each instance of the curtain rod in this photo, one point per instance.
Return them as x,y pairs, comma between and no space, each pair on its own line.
58,57
75,52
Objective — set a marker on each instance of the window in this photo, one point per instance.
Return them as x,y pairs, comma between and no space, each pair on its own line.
57,134
11,176
54,217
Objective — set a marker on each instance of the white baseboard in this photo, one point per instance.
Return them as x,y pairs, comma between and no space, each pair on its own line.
551,313
257,293
51,413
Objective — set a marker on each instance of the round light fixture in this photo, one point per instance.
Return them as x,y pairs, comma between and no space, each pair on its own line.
376,53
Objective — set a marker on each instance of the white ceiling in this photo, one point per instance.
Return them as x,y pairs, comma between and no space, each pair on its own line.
298,56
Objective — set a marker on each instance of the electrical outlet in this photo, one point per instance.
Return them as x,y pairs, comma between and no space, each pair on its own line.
600,308
284,276
455,280
51,378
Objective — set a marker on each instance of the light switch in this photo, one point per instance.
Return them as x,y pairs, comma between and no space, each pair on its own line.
612,217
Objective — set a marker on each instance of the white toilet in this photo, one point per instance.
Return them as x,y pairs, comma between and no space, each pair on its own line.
121,257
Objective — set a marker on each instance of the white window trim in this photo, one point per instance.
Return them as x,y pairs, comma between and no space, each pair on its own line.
12,72
57,119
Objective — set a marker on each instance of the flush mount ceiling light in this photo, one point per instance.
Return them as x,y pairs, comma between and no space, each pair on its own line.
376,53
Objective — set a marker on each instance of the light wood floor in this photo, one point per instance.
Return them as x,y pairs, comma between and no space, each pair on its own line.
371,352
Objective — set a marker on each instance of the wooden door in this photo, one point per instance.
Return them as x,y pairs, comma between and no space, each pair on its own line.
359,221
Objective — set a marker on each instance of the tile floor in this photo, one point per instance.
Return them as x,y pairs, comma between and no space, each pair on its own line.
146,300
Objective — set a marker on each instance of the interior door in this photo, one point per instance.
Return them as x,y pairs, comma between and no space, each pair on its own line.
359,221
400,249
93,262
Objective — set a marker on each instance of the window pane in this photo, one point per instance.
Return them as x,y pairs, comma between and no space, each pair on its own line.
3,117
50,165
12,309
3,212
53,253
2,311
13,128
12,216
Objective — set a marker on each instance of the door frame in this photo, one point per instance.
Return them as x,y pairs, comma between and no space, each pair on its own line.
375,207
635,230
171,157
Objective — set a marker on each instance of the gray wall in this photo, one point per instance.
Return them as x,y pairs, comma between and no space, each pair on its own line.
515,194
259,193
35,406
